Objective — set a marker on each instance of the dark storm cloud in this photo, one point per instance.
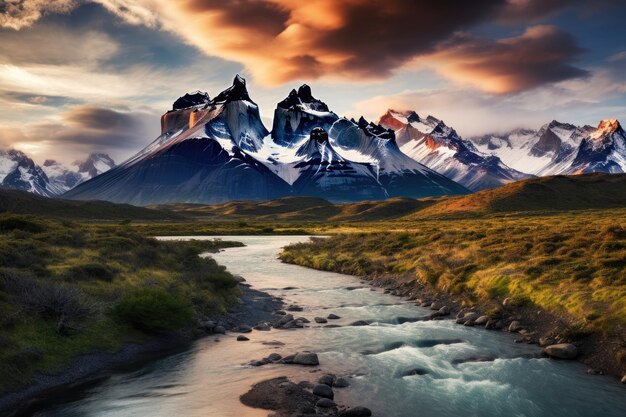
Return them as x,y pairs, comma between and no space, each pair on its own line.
97,118
541,55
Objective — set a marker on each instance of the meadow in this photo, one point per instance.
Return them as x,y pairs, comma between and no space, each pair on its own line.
69,288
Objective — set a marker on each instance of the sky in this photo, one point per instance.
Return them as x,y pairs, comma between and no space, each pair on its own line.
81,76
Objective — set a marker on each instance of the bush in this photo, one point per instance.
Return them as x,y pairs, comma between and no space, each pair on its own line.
90,271
154,309
8,224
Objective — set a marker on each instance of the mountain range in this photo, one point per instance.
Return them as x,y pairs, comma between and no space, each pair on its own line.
213,150
20,172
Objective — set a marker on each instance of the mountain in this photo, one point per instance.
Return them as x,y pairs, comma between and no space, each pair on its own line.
547,151
400,175
202,156
297,115
604,150
431,142
19,172
64,178
322,172
552,193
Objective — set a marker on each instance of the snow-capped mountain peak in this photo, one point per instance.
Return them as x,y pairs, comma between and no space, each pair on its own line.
606,128
298,114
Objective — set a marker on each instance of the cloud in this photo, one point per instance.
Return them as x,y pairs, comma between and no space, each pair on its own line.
84,129
283,40
16,14
541,55
55,45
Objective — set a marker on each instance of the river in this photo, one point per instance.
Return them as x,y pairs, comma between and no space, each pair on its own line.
207,379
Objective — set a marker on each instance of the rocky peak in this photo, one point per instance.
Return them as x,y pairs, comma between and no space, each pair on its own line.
303,98
607,127
319,135
235,92
191,99
373,129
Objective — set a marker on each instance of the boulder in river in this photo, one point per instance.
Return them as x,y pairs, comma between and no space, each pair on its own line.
320,320
325,403
306,358
357,412
242,338
515,326
328,379
294,307
341,383
333,317
359,323
482,320
323,390
561,351
244,328
443,311
219,330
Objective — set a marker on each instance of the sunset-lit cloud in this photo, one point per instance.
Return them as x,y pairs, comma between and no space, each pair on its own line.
76,75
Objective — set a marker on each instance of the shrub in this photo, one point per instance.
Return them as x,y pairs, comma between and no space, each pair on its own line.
154,309
10,223
90,271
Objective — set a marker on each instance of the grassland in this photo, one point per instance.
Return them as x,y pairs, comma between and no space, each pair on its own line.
570,263
68,289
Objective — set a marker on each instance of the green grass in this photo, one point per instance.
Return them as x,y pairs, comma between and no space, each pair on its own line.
68,288
572,263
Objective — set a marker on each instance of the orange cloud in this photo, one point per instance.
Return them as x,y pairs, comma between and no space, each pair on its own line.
541,55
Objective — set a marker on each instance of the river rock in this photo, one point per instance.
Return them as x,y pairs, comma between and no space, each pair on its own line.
328,379
546,341
357,412
294,307
515,326
284,320
323,390
325,403
482,320
561,351
207,326
306,358
219,330
264,327
359,323
341,383
435,306
413,371
320,320
273,357
242,338
244,328
333,317
443,311
471,316
303,320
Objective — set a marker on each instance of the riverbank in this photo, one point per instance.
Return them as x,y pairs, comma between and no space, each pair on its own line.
562,278
87,369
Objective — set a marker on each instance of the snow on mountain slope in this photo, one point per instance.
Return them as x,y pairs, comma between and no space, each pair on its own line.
18,171
400,175
322,172
204,160
297,115
547,151
64,178
434,144
603,150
